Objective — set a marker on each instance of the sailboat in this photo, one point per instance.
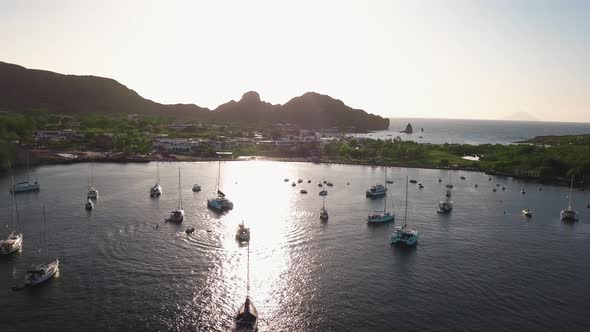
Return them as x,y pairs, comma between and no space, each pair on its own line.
220,203
246,318
14,241
43,272
382,217
178,214
156,190
25,185
243,233
402,234
569,214
92,192
323,210
446,205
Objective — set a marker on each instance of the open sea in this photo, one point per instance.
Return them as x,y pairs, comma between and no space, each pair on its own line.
475,132
483,267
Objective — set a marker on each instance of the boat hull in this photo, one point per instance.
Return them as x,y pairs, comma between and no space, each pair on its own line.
25,187
380,219
404,237
11,245
50,269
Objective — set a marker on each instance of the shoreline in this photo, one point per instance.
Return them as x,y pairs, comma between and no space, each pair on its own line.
50,157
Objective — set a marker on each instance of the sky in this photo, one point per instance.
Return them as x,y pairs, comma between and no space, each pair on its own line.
472,59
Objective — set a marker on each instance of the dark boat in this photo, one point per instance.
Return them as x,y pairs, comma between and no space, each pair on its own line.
247,317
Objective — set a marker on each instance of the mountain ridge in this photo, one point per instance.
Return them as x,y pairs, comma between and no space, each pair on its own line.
21,87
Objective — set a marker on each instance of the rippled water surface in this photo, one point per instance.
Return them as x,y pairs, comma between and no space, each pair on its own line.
483,267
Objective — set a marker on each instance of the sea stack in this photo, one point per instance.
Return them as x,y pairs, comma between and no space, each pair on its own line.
408,129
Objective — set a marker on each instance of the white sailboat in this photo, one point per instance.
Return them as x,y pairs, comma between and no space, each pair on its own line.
178,214
402,234
14,241
92,192
25,185
323,211
156,190
42,272
569,214
384,217
220,203
246,319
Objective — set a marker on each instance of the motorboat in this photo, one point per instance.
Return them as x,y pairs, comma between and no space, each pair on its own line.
329,184
527,212
293,184
243,233
462,177
522,191
178,214
320,184
569,214
439,180
299,180
156,190
389,181
196,188
308,181
402,235
40,273
190,230
475,185
89,205
420,186
503,188
494,190
323,193
286,180
324,214
377,190
303,191
497,184
220,203
413,181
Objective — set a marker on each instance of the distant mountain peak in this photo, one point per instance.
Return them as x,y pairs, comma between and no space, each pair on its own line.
250,96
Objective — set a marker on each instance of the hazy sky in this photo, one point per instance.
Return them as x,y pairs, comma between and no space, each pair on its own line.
448,59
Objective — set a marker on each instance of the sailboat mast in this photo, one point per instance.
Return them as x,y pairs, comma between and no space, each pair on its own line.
385,199
569,204
218,175
248,273
406,209
158,172
28,174
45,230
13,203
92,170
179,191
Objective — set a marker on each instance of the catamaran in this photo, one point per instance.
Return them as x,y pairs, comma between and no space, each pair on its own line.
25,185
43,272
323,210
246,319
156,190
220,203
384,217
178,214
92,192
402,234
446,205
569,214
14,241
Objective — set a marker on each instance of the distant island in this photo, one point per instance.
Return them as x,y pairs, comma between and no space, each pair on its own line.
408,129
30,89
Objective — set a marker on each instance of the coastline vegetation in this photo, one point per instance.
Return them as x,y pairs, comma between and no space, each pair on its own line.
547,157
